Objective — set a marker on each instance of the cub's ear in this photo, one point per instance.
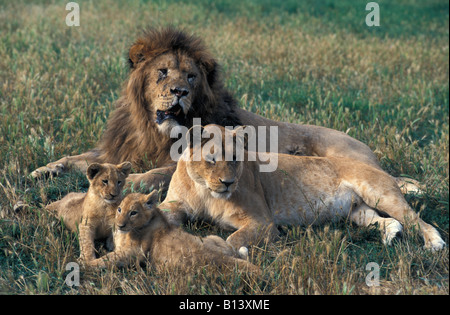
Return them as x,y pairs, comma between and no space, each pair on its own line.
93,170
125,168
151,199
136,54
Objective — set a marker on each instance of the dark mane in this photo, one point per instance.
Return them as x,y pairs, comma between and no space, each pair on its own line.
130,134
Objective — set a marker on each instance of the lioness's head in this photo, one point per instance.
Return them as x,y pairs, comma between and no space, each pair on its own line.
107,180
171,74
136,211
215,161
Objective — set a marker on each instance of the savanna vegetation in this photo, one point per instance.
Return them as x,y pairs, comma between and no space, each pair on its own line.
310,62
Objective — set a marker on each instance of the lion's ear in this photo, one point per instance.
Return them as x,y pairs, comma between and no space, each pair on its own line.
93,170
136,54
212,71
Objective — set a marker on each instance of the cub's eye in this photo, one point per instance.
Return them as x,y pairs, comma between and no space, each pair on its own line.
133,213
105,182
162,73
191,77
119,209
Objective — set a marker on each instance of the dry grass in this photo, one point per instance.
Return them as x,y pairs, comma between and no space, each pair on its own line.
312,62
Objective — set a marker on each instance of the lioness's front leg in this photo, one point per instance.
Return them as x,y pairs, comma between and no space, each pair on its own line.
79,162
251,233
174,211
159,178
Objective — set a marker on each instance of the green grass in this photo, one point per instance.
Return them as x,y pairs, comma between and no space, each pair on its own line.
310,62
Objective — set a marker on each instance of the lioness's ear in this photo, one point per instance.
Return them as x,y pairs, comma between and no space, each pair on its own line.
125,168
93,170
136,54
244,133
151,199
194,135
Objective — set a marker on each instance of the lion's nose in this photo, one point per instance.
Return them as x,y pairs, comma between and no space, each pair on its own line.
180,92
227,183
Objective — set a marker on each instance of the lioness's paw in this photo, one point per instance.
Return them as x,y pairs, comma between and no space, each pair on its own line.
435,244
49,170
392,230
243,252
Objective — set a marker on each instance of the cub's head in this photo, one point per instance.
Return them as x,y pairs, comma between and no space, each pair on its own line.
136,211
107,180
215,158
172,77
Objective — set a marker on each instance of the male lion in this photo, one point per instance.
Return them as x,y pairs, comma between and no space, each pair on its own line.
303,191
143,233
173,79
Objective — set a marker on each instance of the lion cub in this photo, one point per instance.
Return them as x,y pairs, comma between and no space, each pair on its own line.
142,232
93,212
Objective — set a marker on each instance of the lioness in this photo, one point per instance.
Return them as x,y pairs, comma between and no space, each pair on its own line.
93,212
143,233
303,191
174,79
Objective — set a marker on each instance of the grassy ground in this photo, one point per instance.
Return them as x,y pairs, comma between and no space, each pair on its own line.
311,61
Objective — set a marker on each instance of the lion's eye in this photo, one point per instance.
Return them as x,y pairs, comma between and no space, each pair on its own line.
191,77
133,213
105,182
119,209
162,73
119,182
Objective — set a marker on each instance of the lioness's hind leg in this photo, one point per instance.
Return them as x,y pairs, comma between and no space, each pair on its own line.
363,215
381,192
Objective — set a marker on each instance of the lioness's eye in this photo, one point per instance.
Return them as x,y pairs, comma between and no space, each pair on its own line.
119,210
211,160
132,213
105,182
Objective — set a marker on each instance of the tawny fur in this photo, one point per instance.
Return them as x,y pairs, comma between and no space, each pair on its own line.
133,135
302,191
92,213
142,234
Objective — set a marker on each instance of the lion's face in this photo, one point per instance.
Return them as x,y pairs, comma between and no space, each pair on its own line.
107,180
217,171
174,80
136,211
